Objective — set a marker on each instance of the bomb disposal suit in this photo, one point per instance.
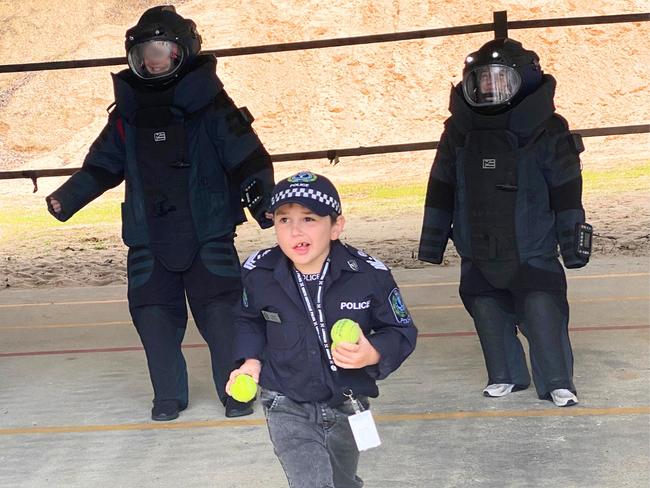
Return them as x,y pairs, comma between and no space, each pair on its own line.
189,158
506,187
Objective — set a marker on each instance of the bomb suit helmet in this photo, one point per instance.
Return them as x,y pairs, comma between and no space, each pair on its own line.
499,74
161,46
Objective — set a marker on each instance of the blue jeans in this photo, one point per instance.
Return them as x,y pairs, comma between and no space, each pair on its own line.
313,441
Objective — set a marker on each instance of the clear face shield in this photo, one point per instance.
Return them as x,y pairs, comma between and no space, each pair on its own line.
154,59
491,85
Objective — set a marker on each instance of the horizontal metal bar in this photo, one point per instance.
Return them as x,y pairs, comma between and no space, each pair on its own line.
355,151
54,65
575,21
345,41
346,152
267,48
354,41
613,131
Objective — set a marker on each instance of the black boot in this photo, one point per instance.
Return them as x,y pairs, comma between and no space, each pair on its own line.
164,410
238,409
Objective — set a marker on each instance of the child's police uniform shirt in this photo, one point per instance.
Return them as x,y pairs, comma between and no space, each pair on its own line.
274,327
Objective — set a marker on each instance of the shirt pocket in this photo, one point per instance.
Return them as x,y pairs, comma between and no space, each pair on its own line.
283,335
362,317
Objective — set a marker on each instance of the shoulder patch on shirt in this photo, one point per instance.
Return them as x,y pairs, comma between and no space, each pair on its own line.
398,307
376,263
253,259
372,261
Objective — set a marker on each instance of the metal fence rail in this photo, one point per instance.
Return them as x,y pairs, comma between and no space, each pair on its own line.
334,154
499,26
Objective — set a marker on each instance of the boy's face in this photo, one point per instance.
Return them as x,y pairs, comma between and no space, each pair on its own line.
304,236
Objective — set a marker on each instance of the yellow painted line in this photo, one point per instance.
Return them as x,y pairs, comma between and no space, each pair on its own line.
611,299
406,417
412,309
426,285
74,429
408,285
582,300
578,277
65,326
433,307
551,412
43,304
71,326
612,275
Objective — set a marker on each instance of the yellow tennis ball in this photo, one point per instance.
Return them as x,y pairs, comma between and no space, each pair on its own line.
345,330
244,388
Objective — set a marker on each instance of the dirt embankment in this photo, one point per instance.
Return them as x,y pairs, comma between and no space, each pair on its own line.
319,99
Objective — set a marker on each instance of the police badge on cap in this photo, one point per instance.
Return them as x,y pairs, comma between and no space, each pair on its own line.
310,190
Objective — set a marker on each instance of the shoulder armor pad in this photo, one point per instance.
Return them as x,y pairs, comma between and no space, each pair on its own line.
557,124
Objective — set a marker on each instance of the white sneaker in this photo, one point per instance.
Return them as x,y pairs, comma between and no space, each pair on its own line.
563,397
498,389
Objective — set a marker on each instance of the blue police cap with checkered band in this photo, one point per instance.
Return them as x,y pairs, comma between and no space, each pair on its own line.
310,190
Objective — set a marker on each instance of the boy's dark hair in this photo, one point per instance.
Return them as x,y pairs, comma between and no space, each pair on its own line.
333,216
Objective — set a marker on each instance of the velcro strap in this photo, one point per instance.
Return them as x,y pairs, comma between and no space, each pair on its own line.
567,196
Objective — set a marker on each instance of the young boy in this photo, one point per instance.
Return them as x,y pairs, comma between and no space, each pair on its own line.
293,294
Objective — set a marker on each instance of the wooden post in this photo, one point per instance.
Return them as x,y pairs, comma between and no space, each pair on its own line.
500,24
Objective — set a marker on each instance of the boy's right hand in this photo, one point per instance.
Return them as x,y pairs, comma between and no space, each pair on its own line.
251,367
55,205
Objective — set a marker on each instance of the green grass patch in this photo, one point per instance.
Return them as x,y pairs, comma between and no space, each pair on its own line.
16,218
620,179
20,218
382,198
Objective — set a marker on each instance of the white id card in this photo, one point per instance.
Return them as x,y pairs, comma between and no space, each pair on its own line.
364,430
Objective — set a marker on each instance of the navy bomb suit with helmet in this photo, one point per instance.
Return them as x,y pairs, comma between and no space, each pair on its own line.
506,187
190,160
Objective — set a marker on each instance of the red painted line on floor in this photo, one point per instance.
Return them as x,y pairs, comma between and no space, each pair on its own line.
86,351
607,327
571,329
447,334
423,335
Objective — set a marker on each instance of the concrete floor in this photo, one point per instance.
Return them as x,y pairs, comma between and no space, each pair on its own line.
75,399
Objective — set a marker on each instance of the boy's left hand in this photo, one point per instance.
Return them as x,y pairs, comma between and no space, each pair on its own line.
354,356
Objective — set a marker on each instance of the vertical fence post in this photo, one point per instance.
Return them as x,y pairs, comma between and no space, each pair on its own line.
500,24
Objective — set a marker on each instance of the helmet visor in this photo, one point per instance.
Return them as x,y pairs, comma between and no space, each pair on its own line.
490,85
155,59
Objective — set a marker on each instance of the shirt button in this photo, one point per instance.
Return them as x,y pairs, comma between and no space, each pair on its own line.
312,352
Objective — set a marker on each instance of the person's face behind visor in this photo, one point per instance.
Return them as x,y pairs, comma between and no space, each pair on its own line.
491,85
155,58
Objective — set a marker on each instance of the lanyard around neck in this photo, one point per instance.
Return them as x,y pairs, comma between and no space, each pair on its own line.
316,313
